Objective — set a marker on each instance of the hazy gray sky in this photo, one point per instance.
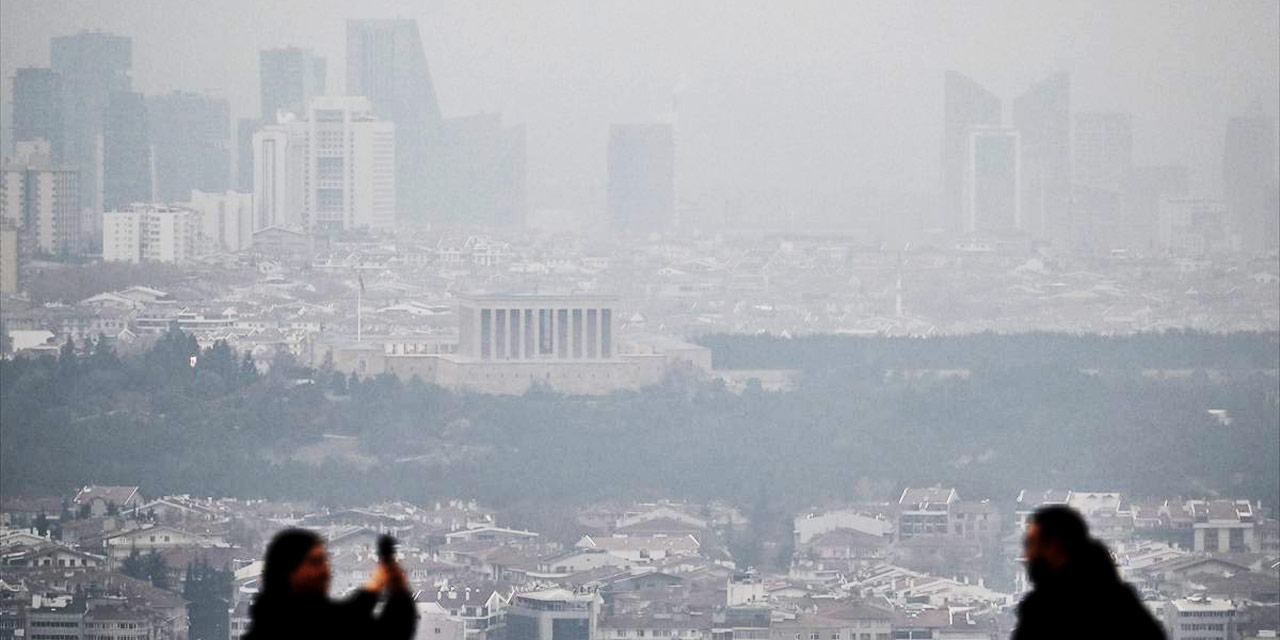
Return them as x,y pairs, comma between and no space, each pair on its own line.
815,95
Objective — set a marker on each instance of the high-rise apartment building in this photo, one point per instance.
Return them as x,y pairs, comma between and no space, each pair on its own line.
190,141
966,104
641,173
149,233
224,220
386,64
1042,116
335,169
8,258
41,200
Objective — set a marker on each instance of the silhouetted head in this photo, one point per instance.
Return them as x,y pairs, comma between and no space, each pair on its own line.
1057,538
296,565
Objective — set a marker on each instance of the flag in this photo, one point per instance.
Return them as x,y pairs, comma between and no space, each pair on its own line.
360,277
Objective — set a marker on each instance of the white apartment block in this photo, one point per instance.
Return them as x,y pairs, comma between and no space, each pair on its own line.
225,220
149,233
332,169
41,200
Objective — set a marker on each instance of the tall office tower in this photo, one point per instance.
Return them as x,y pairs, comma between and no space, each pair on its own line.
245,128
333,170
92,66
965,104
386,64
190,138
992,178
41,200
37,108
641,166
126,151
1249,181
1042,116
144,232
483,171
1146,187
1102,161
290,78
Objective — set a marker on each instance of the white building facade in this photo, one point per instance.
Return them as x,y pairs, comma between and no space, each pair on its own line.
149,233
41,200
332,169
225,220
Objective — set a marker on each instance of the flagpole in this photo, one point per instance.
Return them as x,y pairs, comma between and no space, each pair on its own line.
359,306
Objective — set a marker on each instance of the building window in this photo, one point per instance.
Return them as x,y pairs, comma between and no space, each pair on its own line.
562,333
577,333
500,340
606,333
528,333
593,332
545,337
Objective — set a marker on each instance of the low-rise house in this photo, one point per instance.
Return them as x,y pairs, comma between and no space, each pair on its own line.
102,500
641,549
479,609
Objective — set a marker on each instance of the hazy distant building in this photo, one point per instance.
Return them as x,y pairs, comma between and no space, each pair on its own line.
386,64
992,180
190,139
92,67
965,104
41,200
641,174
8,258
1146,187
126,152
245,128
1249,182
225,220
335,169
483,172
1192,226
1102,162
290,77
148,233
37,108
1102,150
1042,116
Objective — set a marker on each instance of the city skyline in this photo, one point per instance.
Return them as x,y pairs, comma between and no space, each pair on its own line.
564,153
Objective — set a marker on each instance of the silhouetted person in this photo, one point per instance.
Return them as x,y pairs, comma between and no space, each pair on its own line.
294,599
1077,592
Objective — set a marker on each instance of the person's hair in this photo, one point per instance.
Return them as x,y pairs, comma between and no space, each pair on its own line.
1063,525
284,555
